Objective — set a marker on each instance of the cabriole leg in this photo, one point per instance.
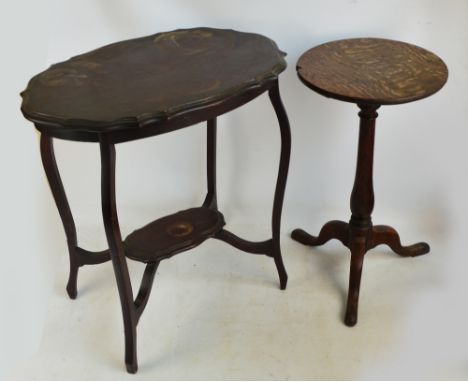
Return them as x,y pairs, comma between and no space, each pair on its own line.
58,192
334,229
281,181
114,239
384,234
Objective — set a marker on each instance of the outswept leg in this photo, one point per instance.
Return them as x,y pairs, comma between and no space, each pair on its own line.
114,239
360,235
383,234
358,250
60,197
145,288
281,181
334,229
268,247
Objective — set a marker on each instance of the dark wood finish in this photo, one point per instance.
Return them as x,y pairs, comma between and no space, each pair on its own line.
78,256
281,180
147,81
145,288
271,247
383,234
56,186
141,88
91,258
334,229
359,235
372,71
176,122
254,247
211,200
173,234
362,204
114,239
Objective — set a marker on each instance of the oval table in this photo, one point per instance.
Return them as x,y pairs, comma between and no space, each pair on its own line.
141,88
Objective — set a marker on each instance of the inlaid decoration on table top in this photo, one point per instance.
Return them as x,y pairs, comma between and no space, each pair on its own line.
153,77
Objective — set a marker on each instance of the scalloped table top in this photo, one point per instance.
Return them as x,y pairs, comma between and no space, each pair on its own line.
372,71
151,78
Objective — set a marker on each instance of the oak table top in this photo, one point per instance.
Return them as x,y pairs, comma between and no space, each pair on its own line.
147,81
372,71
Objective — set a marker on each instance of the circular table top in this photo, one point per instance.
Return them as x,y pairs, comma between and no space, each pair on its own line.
146,81
372,71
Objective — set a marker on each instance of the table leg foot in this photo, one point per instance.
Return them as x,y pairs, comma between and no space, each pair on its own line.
130,351
382,234
72,281
56,186
266,247
334,229
283,276
132,368
117,252
358,250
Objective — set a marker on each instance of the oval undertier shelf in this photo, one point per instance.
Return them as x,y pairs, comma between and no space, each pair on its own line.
173,234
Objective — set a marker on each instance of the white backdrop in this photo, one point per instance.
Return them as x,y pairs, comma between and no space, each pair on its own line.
420,163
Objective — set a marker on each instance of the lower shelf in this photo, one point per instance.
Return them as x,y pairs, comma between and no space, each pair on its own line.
173,234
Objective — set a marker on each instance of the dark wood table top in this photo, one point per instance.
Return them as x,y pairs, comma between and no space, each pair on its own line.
372,71
150,80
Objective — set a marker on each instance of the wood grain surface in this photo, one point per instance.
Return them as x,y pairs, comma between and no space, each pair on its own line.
173,234
372,71
150,78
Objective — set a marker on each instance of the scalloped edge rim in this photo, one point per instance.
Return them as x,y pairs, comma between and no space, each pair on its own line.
147,119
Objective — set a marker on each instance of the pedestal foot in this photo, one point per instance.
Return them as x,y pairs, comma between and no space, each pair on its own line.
359,235
334,229
382,234
358,250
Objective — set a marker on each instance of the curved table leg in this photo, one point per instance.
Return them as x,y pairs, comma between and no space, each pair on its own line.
60,197
281,181
254,247
334,229
383,234
145,288
114,239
